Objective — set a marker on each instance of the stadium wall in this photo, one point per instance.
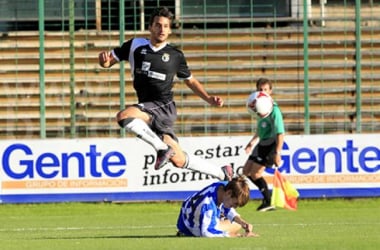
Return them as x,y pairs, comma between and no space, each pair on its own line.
325,72
88,170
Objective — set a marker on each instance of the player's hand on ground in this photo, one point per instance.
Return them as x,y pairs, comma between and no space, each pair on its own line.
251,234
248,228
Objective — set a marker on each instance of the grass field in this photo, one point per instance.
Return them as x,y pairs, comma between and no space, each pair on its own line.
317,224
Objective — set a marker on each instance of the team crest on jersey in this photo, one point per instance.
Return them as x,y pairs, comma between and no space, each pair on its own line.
143,52
264,124
165,57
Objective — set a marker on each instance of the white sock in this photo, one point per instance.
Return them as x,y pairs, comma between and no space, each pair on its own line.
198,164
143,131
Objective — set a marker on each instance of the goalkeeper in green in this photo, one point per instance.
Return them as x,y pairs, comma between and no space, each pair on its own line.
267,151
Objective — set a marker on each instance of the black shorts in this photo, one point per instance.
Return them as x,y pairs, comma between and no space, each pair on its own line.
163,116
264,154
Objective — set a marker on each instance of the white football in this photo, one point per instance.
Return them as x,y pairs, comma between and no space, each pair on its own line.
260,103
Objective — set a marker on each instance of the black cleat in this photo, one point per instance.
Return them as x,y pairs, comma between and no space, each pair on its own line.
228,172
265,206
163,157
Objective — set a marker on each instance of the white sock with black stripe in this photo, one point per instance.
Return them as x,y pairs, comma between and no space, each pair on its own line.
143,131
200,165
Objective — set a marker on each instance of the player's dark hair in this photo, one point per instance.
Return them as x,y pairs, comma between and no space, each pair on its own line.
161,11
262,81
239,189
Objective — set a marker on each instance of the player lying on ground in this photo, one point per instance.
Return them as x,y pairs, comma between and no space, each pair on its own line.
211,211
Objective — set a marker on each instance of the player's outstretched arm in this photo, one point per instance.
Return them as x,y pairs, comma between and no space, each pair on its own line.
199,90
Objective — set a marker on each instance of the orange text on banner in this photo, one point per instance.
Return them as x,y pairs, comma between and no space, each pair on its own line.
46,184
337,178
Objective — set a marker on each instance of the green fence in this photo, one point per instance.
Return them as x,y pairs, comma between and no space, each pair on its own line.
323,58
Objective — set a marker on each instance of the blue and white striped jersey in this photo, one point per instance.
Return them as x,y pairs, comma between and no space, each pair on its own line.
200,214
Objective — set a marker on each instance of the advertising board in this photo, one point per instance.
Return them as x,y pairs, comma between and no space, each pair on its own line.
61,170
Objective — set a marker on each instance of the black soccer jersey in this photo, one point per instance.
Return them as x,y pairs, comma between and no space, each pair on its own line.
153,69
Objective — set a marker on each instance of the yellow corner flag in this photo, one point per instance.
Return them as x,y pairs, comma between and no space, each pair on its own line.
283,194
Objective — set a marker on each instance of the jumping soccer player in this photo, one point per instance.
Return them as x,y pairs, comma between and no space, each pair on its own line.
267,152
154,64
211,211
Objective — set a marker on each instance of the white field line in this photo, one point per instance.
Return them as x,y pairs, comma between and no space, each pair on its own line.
30,229
27,229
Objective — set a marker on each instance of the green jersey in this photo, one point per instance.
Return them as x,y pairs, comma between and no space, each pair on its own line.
270,126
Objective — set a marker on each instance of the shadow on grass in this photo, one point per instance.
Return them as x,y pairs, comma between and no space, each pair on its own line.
109,237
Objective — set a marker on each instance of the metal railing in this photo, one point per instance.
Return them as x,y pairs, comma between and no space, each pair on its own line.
324,66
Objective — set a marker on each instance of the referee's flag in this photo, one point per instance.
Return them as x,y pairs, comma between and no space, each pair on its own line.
283,194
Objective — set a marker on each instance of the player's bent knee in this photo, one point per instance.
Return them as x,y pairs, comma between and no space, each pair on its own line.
121,115
124,122
130,111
